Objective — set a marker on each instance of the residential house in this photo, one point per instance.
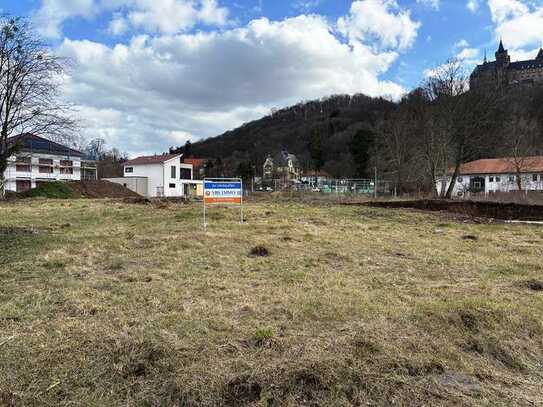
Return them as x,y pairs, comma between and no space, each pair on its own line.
39,160
162,175
283,166
497,175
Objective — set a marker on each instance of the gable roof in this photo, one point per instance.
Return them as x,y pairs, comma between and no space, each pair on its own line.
152,159
502,165
32,143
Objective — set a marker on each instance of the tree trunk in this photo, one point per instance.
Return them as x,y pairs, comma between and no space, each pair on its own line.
2,185
450,190
519,180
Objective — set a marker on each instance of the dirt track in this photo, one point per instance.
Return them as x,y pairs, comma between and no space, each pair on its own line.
494,210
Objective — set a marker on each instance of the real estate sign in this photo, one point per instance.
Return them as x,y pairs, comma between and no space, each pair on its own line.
223,192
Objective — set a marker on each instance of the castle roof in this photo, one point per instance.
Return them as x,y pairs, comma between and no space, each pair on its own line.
536,63
501,49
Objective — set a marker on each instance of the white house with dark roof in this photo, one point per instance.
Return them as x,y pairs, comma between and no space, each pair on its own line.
497,175
165,175
39,160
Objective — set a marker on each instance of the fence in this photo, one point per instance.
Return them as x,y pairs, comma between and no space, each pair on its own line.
366,187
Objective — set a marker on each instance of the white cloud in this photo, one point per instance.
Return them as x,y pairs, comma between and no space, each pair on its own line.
53,13
381,21
468,54
430,3
150,16
473,5
118,25
212,14
519,23
502,10
160,90
462,44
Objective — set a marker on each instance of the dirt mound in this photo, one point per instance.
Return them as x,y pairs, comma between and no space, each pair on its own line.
102,189
494,210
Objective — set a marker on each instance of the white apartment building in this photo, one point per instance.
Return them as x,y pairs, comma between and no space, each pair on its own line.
40,160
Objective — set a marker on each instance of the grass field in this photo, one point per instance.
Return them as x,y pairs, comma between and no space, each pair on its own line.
104,303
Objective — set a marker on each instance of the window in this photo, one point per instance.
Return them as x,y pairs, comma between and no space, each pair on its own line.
66,167
490,179
128,169
172,186
185,173
498,179
459,180
23,164
511,178
173,169
45,166
535,178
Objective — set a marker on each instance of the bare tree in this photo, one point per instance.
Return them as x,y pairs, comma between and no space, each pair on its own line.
460,119
30,78
521,138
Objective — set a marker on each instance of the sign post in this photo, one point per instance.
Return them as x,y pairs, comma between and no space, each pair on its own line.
223,191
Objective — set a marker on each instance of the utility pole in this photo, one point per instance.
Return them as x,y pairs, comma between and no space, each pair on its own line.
375,184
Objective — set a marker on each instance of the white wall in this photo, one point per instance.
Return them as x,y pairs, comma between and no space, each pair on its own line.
159,176
11,175
154,174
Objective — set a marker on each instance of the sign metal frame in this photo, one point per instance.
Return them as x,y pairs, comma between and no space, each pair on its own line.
224,181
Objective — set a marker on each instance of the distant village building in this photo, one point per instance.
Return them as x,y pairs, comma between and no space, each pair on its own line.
497,175
315,177
40,160
503,72
283,166
158,176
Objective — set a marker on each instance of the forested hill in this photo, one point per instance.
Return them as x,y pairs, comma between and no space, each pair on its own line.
318,132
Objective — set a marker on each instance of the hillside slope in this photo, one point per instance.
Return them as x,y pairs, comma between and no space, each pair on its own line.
331,121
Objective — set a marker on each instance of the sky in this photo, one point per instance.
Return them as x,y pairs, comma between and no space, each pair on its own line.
150,74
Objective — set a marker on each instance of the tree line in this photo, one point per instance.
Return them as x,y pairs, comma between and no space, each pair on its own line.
414,142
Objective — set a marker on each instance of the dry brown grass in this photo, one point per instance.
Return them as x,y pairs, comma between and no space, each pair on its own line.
107,303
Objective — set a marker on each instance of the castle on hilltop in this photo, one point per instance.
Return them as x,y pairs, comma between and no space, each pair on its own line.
503,72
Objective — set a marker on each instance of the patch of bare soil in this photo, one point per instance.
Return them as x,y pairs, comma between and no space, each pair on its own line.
102,189
17,231
470,209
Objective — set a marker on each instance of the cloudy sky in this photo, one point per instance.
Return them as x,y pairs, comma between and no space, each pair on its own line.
149,74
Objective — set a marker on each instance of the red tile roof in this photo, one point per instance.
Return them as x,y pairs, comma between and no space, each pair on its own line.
196,162
152,159
503,165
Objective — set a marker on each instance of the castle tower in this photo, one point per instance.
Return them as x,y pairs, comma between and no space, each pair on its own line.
539,56
502,64
502,56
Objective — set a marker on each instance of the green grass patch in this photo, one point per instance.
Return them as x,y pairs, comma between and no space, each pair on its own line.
108,303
